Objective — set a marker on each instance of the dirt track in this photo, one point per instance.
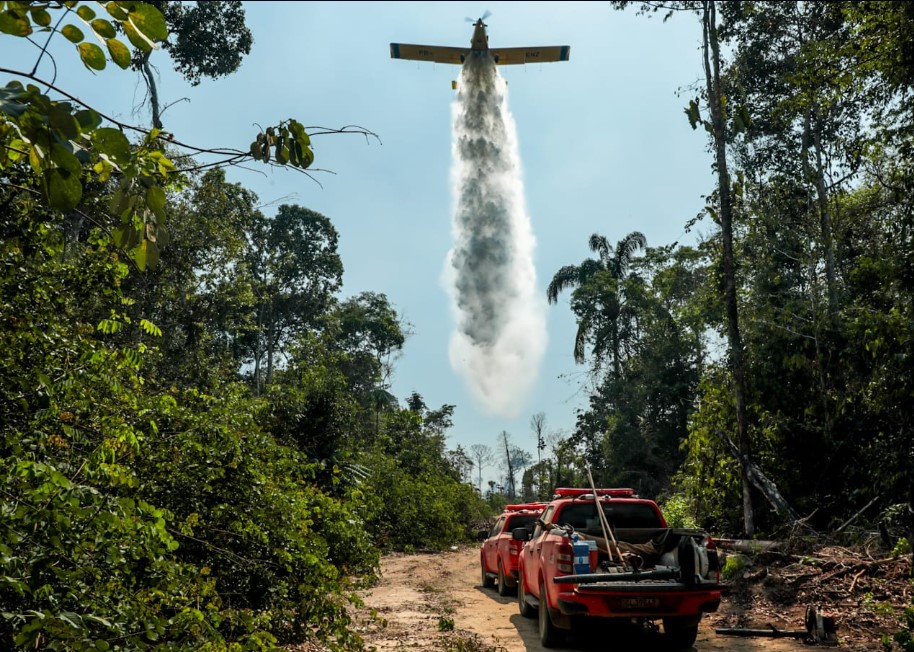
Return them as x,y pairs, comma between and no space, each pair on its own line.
423,596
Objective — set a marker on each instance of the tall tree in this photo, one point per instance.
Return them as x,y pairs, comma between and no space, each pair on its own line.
295,270
206,39
482,456
598,300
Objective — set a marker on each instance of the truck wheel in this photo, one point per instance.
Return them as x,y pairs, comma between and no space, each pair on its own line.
680,633
487,581
525,609
550,635
503,588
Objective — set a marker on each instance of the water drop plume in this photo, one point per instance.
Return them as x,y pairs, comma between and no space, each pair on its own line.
500,332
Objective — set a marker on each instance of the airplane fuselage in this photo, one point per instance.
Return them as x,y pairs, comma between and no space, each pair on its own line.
480,40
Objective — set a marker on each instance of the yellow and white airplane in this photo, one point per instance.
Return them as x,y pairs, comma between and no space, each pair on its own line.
479,46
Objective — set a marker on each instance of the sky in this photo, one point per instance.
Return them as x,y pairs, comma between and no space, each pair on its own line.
603,142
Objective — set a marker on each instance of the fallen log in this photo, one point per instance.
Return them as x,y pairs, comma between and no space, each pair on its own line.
749,546
773,632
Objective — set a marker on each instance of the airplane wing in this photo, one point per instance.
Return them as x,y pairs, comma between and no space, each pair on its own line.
436,53
509,56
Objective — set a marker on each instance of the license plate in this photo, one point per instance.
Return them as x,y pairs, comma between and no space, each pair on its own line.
640,603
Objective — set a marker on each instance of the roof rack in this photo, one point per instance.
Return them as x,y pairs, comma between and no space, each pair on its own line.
568,492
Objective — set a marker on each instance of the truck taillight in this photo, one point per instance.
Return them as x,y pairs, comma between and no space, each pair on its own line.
515,547
564,557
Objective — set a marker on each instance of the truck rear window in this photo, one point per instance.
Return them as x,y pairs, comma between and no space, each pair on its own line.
583,516
522,520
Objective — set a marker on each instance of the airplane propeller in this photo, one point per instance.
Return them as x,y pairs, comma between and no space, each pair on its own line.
483,17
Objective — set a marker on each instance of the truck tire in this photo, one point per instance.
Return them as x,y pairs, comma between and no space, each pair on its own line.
680,633
550,635
487,581
525,609
503,588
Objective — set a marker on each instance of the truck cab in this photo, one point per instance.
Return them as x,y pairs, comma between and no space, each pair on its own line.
500,550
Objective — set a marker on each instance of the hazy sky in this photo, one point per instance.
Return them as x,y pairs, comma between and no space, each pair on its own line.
604,147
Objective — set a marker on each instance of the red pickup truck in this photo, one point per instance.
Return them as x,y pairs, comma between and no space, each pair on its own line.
500,550
625,565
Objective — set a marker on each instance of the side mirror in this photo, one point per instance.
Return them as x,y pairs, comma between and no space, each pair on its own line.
521,534
482,535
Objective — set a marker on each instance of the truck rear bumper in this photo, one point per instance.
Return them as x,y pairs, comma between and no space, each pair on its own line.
613,603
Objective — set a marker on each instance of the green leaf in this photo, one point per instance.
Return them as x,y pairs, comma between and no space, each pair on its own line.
149,20
146,255
103,28
121,235
85,12
93,56
162,237
61,119
150,328
88,119
116,11
112,142
64,189
136,38
119,52
62,157
41,17
306,157
15,23
155,199
72,33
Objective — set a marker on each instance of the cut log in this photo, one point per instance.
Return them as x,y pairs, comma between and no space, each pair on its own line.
749,546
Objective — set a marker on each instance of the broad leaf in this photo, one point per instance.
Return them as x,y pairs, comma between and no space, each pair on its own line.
103,28
85,12
72,33
155,199
93,56
149,20
15,23
119,52
63,188
112,142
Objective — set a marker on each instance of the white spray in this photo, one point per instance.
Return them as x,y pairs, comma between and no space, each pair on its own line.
500,334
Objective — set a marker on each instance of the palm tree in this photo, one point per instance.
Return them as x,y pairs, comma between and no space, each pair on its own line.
597,299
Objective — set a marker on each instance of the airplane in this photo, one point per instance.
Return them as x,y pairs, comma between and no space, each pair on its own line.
479,46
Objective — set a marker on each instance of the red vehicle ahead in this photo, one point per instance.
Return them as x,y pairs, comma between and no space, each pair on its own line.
619,564
500,550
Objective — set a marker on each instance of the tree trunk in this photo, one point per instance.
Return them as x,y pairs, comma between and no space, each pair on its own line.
711,49
153,91
761,481
825,220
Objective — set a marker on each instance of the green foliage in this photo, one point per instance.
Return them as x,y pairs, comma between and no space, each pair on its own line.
733,566
677,512
905,636
287,143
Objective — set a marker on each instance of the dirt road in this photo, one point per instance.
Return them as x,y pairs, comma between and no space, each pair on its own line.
436,602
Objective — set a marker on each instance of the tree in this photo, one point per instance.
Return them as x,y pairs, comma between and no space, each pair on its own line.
598,301
483,456
68,145
206,40
538,426
294,271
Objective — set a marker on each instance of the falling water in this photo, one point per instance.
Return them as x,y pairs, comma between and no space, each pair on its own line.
500,334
